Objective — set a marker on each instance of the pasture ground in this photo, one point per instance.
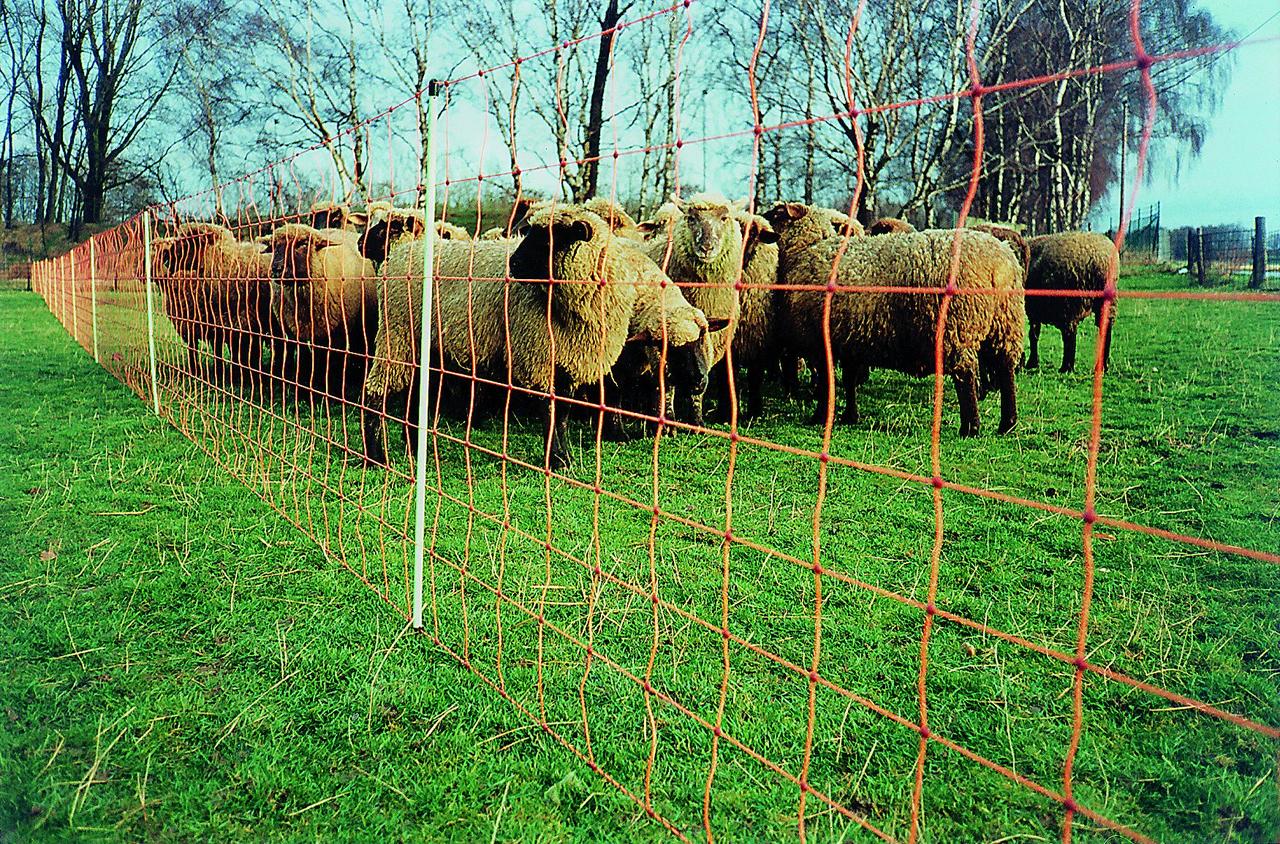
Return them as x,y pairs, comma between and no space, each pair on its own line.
180,662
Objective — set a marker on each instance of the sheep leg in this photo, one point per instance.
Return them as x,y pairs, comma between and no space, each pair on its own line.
788,366
1034,362
821,392
719,390
1068,348
691,408
373,429
1106,341
1008,397
557,455
966,381
755,388
855,375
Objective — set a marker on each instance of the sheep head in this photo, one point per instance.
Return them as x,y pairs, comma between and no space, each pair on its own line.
291,248
711,225
755,231
329,215
563,243
798,225
377,240
184,249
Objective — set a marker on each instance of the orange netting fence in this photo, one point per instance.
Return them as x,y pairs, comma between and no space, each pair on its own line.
738,626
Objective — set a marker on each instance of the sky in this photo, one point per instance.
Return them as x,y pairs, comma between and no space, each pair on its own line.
1237,176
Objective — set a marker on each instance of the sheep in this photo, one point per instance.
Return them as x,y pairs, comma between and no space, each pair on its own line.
1081,261
661,312
703,254
324,296
754,348
387,227
328,215
494,233
215,289
588,312
841,221
890,225
1011,238
898,330
620,222
451,231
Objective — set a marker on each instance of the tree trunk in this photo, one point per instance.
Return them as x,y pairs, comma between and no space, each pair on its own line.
595,115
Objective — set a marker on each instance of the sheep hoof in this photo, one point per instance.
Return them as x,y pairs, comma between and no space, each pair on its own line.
849,418
969,430
1007,425
1067,370
560,460
1031,365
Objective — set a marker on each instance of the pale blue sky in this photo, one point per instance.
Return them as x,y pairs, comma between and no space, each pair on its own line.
1237,176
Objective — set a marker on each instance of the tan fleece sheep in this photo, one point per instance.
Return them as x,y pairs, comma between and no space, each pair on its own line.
215,289
755,348
324,296
897,330
1069,261
1011,238
476,316
703,254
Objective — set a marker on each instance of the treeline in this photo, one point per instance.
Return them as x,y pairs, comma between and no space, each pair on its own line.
114,104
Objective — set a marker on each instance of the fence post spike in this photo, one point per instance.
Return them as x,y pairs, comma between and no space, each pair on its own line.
424,352
151,311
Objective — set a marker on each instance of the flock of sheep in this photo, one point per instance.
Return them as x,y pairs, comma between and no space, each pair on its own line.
631,320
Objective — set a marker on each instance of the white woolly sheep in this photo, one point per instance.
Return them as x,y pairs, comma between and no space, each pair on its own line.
477,317
703,254
897,330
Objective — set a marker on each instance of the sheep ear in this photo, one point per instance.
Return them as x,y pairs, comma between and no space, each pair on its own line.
647,227
766,235
738,205
679,203
359,219
520,209
581,230
717,323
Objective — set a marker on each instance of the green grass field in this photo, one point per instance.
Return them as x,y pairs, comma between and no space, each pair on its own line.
182,662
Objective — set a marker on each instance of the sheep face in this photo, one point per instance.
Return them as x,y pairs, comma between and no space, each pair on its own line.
711,225
689,365
291,248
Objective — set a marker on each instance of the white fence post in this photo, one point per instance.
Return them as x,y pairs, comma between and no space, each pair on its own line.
424,353
93,295
151,311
